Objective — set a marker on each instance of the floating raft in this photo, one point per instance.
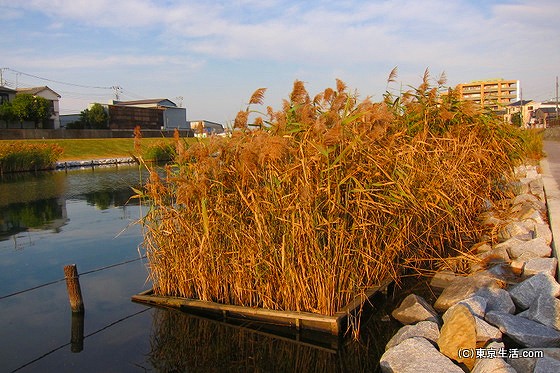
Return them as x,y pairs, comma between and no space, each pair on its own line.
300,321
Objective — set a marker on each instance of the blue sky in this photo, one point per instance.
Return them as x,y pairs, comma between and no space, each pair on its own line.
214,54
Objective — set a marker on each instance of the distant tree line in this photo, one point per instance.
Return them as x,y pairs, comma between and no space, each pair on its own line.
95,117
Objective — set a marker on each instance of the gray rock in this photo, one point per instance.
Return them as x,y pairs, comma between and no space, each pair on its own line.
524,331
486,332
529,199
481,247
497,300
413,309
443,279
494,365
546,365
536,245
525,293
493,256
514,229
416,355
518,264
475,304
543,230
424,329
525,211
488,219
536,187
522,364
462,288
527,364
540,265
513,241
545,310
520,186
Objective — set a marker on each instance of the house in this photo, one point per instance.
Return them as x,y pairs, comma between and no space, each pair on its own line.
155,114
524,108
203,128
52,97
6,94
546,116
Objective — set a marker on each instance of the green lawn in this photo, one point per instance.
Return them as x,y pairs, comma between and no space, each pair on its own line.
86,149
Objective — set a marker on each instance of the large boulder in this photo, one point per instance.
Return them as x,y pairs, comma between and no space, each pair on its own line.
416,355
424,329
486,332
526,292
476,305
525,359
537,245
546,365
462,288
540,265
497,300
414,309
492,365
457,334
545,310
526,332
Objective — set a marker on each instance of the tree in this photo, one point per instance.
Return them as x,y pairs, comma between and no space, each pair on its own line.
7,112
95,117
516,119
26,107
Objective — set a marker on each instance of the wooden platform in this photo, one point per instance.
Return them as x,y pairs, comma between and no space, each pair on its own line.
335,325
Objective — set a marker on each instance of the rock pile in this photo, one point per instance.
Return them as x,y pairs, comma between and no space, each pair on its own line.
505,315
94,163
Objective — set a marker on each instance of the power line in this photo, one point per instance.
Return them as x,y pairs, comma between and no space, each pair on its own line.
63,279
86,336
57,81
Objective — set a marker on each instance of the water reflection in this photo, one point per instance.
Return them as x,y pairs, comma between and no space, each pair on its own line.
31,201
182,342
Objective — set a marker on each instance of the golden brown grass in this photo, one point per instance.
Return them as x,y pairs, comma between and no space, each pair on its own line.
327,197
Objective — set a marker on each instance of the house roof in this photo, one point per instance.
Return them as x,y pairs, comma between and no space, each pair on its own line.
6,89
156,101
35,90
520,103
549,110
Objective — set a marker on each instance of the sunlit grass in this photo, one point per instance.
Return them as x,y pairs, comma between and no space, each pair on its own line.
86,149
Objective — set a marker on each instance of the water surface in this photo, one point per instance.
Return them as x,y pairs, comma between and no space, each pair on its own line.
85,217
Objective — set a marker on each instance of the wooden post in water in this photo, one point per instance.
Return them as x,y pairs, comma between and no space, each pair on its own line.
77,332
73,286
77,305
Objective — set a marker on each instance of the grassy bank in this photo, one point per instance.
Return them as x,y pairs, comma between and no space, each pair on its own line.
86,149
325,197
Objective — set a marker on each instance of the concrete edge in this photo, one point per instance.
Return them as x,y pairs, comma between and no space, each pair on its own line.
552,197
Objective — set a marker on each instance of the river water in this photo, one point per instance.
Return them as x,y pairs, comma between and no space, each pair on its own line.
85,217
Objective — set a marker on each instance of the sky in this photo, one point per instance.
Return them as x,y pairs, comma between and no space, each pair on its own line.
210,56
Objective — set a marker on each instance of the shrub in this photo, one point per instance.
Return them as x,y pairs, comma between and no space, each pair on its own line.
16,157
161,151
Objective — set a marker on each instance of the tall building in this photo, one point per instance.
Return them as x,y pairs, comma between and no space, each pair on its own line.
494,94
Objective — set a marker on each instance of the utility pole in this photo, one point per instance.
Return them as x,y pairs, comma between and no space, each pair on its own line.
521,107
557,119
5,68
117,89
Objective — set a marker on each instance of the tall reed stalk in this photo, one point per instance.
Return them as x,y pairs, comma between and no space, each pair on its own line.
324,198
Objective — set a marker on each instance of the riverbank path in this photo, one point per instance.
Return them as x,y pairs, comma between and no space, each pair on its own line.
550,168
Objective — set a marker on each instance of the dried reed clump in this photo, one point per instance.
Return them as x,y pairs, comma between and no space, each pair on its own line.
16,156
329,197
